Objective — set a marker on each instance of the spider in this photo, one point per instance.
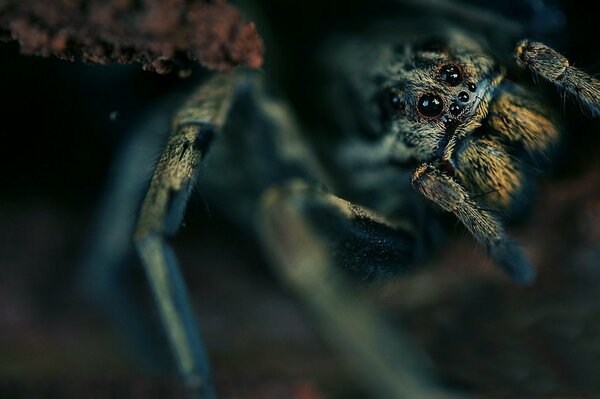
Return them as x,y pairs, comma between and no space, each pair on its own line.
419,125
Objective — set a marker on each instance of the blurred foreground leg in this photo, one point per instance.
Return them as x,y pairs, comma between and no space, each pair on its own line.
391,365
160,216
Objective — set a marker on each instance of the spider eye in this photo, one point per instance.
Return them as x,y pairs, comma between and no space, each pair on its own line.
430,105
451,74
394,100
390,103
455,109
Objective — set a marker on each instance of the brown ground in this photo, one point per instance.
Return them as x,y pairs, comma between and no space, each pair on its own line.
159,34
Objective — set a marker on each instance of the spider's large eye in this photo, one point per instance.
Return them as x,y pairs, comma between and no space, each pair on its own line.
451,74
430,105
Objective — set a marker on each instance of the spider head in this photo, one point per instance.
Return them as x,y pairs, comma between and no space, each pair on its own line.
435,95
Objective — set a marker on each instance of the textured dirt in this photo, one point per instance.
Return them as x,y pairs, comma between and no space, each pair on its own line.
159,34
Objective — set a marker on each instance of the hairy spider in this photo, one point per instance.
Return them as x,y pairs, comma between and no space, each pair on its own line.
418,124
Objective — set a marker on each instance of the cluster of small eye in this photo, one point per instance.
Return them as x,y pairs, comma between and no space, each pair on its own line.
431,105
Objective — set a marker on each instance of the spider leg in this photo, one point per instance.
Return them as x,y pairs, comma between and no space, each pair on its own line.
485,168
310,233
554,67
522,119
161,212
443,190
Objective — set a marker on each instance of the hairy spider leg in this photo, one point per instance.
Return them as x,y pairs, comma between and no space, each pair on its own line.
308,233
521,119
554,67
160,216
485,168
449,195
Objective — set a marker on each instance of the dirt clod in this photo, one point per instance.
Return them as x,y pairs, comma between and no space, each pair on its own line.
159,34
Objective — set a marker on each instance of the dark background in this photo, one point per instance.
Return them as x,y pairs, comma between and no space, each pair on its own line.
482,332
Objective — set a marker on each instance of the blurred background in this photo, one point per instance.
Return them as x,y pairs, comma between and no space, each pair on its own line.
62,125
